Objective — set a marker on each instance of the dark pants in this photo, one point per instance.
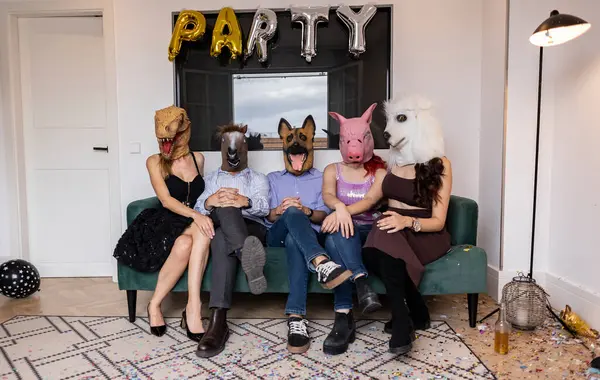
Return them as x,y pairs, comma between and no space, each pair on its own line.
399,287
231,230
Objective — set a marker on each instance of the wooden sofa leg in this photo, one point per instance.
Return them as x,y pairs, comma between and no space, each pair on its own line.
131,304
472,299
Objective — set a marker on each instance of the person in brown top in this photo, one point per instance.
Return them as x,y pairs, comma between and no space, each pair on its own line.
411,233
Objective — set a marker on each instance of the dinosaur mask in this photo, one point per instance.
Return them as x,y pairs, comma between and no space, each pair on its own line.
298,153
413,132
356,140
172,128
234,147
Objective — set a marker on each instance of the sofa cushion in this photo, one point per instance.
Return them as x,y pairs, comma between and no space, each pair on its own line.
466,263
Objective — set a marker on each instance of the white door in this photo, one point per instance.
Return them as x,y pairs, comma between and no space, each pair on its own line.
64,119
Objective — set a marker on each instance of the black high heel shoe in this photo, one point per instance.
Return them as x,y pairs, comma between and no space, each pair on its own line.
156,330
193,336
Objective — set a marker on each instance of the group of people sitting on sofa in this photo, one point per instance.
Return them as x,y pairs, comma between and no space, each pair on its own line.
330,223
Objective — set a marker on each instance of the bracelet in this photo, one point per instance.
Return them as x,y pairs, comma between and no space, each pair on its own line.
310,214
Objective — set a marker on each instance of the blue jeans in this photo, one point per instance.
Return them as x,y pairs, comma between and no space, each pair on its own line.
293,231
348,252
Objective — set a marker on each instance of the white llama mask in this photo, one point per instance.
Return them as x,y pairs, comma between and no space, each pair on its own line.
414,134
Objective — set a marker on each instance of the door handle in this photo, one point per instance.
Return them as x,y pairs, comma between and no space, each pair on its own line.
104,148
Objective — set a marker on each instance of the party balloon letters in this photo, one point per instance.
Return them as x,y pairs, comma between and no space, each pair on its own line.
191,25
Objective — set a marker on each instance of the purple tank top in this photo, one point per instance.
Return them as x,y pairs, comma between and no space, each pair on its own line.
350,193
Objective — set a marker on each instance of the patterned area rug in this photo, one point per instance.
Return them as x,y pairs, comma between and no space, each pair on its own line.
113,348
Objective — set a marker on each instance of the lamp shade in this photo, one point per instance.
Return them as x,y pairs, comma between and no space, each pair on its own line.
558,29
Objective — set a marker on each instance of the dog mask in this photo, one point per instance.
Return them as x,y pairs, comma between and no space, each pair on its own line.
414,134
234,147
172,129
298,153
356,140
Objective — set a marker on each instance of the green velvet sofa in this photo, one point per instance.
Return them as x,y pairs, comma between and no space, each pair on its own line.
462,271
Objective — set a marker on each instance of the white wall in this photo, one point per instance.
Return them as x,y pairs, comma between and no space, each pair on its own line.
4,214
566,255
493,77
448,70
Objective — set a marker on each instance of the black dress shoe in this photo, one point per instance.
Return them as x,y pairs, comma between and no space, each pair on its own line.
214,339
368,301
191,335
156,330
342,334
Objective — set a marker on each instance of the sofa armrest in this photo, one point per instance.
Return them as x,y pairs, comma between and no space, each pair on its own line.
136,207
461,220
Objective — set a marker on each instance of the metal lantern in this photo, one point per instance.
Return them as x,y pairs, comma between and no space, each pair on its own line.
526,303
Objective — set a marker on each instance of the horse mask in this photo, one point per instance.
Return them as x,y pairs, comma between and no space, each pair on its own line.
234,147
298,153
172,129
356,140
414,134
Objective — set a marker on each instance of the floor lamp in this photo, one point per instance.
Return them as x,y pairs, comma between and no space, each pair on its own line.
555,30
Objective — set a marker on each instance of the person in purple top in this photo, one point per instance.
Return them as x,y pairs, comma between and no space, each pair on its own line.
297,210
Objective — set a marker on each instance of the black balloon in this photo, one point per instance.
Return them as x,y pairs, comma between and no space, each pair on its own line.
18,279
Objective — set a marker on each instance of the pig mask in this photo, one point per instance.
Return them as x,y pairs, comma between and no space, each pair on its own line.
356,140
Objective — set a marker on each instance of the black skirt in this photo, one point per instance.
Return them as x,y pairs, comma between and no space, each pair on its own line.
148,241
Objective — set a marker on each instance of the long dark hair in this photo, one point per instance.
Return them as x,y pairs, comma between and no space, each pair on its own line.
428,182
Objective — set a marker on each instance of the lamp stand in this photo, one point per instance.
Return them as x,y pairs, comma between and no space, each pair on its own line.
535,176
537,151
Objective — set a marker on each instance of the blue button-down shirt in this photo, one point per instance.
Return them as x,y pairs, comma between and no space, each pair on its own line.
307,186
250,183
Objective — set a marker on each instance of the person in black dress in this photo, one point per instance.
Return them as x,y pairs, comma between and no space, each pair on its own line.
173,237
412,233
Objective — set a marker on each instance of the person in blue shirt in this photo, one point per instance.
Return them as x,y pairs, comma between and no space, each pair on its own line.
297,210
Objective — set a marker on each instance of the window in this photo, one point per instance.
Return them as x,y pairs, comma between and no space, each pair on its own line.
261,100
217,91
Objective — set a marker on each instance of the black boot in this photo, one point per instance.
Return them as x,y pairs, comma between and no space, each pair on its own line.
402,338
213,341
368,301
342,334
418,324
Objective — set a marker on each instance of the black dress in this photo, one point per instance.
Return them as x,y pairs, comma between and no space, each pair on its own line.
147,242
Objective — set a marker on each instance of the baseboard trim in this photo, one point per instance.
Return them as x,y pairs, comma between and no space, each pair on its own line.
492,282
584,302
496,279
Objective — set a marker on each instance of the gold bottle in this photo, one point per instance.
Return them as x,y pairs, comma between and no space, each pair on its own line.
502,331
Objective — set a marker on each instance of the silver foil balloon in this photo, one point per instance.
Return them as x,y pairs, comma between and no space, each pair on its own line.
264,26
357,24
309,17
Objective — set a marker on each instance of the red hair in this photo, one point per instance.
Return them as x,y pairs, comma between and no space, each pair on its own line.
374,164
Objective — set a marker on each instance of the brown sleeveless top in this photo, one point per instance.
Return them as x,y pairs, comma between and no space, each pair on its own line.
417,249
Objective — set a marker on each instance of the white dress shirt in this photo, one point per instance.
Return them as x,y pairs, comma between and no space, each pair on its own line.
250,183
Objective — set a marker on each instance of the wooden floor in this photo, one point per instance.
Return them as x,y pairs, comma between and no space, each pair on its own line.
546,353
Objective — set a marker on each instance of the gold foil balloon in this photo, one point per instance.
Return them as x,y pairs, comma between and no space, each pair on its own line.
232,40
576,324
181,32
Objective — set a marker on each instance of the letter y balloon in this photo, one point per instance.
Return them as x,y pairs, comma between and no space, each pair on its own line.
357,25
